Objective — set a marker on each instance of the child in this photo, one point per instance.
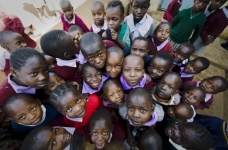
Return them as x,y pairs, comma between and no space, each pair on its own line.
193,95
159,42
133,74
76,108
104,129
212,28
27,113
172,10
190,135
165,93
68,17
76,34
139,46
211,85
59,138
51,62
114,62
92,80
100,24
140,114
188,21
213,6
60,45
29,71
113,94
193,67
93,49
10,41
139,22
160,64
116,32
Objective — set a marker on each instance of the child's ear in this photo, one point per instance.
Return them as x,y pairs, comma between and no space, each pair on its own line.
13,72
66,55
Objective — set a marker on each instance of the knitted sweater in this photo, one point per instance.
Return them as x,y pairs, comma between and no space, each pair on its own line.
172,10
184,24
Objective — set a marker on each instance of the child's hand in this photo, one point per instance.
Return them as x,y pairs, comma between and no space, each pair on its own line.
131,141
148,78
114,34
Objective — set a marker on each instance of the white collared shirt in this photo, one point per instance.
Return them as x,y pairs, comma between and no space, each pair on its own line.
207,12
69,63
96,29
70,22
3,57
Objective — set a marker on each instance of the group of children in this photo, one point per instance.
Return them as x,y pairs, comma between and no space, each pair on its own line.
122,80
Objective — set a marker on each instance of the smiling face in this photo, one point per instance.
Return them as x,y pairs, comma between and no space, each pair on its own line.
182,53
163,32
34,73
157,67
139,110
193,96
133,71
139,9
68,10
26,111
114,18
54,138
211,85
92,77
114,64
193,67
100,134
98,13
15,42
73,104
139,47
53,82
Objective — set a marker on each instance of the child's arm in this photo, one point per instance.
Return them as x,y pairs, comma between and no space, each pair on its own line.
114,35
168,12
81,24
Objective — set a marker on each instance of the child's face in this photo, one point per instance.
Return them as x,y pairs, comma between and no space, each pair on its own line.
53,82
76,36
26,111
34,73
51,63
200,5
178,111
139,47
114,93
133,71
73,105
114,64
211,86
15,43
193,96
114,18
139,9
216,4
163,32
181,134
100,134
98,15
98,58
193,67
139,110
68,11
157,67
92,77
167,86
55,138
181,54
4,122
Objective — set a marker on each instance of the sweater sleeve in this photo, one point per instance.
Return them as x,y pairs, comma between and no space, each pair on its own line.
168,12
175,20
81,24
197,31
207,24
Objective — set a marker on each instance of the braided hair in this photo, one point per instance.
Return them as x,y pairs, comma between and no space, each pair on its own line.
119,4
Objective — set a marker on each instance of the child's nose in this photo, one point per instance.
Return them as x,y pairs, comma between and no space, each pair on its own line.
136,113
132,73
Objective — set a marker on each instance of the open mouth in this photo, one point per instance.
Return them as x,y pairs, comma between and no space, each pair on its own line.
100,145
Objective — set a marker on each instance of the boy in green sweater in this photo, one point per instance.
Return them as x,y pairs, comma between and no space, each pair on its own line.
188,22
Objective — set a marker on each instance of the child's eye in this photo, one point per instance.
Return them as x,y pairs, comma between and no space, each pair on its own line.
111,95
22,117
119,91
56,130
138,70
105,132
195,98
33,73
68,109
135,7
91,58
94,133
126,70
33,108
78,101
53,144
99,14
150,66
46,71
159,71
100,54
118,66
170,87
142,51
142,110
130,108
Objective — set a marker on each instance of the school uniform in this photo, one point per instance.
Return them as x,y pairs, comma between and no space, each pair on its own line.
75,21
145,27
185,76
166,46
5,63
92,105
98,30
141,84
178,65
172,10
86,89
208,99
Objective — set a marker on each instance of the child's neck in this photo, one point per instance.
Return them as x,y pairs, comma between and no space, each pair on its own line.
157,43
17,81
194,12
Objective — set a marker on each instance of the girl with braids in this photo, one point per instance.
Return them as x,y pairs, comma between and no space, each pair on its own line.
28,72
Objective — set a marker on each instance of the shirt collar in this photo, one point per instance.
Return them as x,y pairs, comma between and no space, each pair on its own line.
179,147
96,29
70,22
75,119
71,131
20,89
225,11
69,63
207,12
185,75
151,122
109,140
3,57
159,47
127,87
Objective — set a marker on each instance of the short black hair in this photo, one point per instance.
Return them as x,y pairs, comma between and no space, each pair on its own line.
119,4
64,3
89,41
156,29
32,142
187,108
101,114
189,46
223,80
5,36
14,98
174,74
165,56
134,56
74,28
204,61
141,38
87,65
56,42
19,57
115,49
107,82
98,3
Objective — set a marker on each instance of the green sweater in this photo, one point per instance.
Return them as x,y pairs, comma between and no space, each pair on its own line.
183,26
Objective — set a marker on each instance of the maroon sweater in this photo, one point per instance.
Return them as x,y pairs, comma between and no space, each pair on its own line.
153,49
172,10
214,25
78,21
6,90
99,33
